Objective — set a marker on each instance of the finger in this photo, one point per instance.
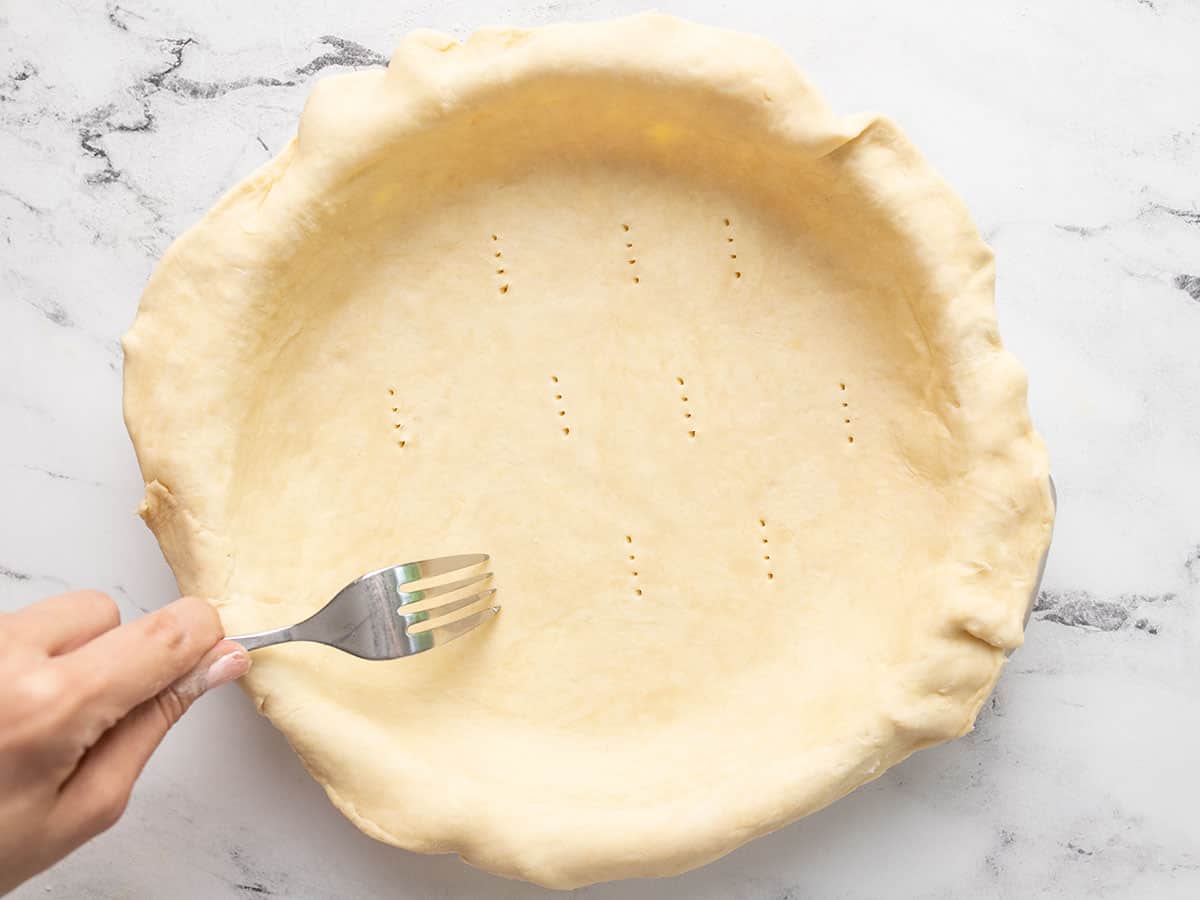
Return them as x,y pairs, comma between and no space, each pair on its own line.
130,664
95,796
65,622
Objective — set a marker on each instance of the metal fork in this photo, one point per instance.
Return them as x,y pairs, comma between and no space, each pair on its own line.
370,617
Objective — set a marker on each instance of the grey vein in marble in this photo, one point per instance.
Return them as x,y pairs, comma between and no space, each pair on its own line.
1189,284
1082,609
104,120
167,80
1191,216
12,82
63,476
1192,566
252,881
345,53
53,311
114,14
13,574
1083,230
22,202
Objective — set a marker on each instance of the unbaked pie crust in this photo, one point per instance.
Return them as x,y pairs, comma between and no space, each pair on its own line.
712,374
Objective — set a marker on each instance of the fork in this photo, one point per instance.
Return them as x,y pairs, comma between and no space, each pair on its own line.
371,616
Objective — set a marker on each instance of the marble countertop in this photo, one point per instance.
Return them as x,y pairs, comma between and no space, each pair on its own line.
1071,127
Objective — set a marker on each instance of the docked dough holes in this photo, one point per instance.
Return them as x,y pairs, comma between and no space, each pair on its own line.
400,431
502,278
846,417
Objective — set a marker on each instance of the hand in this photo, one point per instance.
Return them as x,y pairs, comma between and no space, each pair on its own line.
84,701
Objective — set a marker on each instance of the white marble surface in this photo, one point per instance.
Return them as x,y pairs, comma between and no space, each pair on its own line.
1072,127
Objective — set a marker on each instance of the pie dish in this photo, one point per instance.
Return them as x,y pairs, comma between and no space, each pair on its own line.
713,375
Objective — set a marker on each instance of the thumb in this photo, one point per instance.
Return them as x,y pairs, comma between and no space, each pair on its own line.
95,796
225,662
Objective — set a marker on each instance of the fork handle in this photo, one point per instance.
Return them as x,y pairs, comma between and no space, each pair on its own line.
259,639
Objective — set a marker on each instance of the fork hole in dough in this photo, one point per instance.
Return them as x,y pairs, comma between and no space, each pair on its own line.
762,523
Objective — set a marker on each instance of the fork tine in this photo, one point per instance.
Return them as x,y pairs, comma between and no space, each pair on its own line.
440,566
428,568
408,597
443,634
412,618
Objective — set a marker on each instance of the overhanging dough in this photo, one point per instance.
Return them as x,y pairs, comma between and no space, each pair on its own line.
712,374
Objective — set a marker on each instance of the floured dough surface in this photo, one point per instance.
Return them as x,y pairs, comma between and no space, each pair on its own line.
711,374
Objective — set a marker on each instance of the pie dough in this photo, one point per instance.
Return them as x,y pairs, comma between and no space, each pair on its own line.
712,374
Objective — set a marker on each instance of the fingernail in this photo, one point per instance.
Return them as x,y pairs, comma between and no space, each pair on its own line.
229,667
